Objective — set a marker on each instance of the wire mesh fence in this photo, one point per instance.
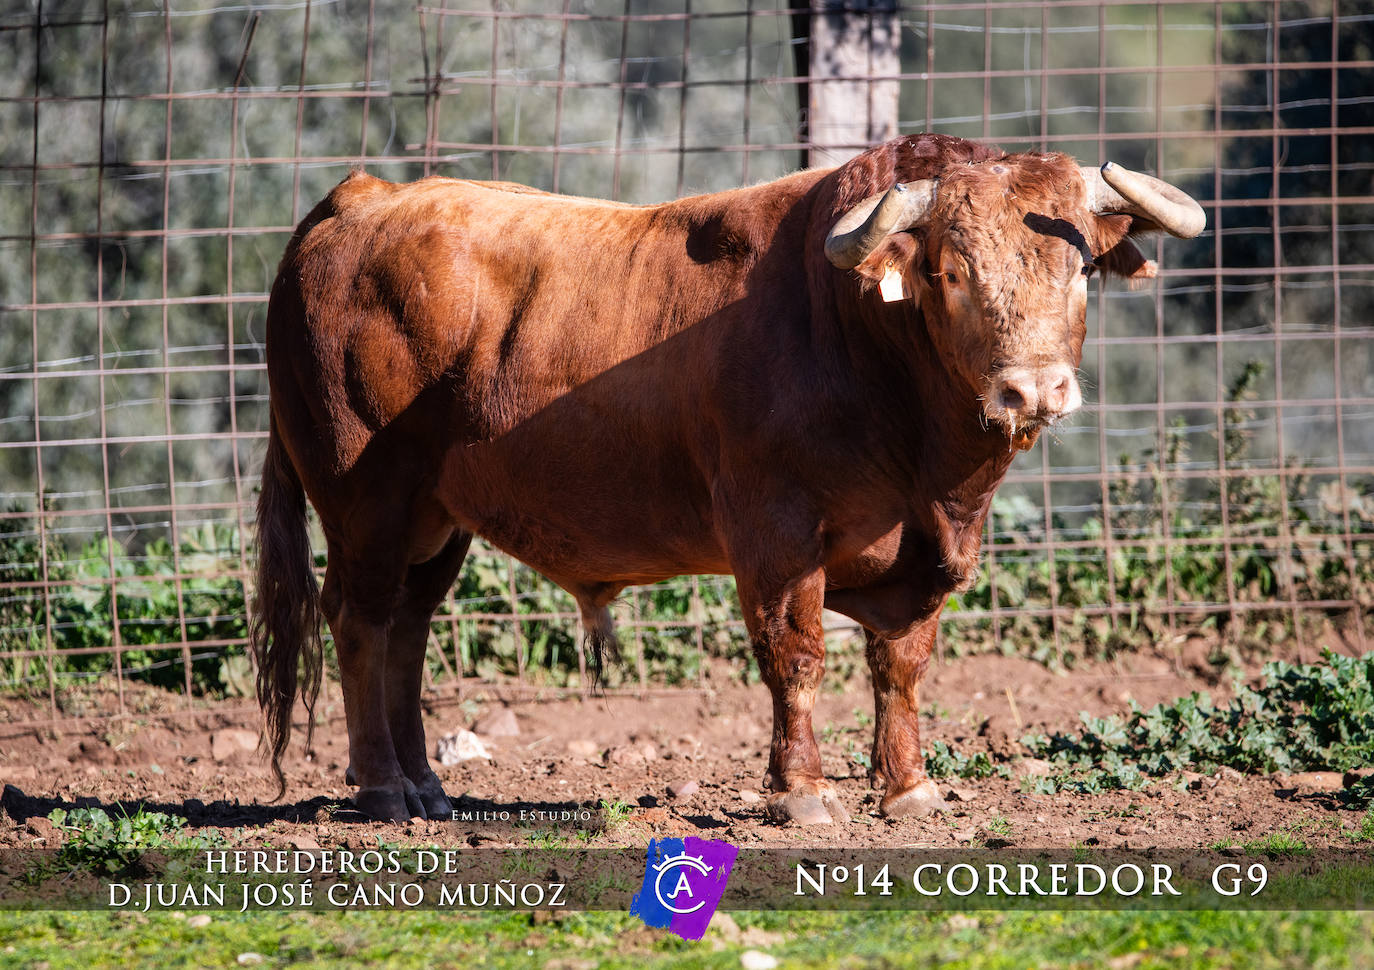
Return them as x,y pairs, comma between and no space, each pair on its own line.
155,155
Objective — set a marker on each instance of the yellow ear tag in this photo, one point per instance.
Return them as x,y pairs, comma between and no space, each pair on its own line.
892,287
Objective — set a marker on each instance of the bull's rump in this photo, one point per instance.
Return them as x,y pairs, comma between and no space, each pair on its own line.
538,371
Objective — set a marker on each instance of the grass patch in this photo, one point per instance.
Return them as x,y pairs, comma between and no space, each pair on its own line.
1303,717
1364,832
981,941
1279,843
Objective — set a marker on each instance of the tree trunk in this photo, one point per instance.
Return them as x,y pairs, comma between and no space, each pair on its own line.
851,41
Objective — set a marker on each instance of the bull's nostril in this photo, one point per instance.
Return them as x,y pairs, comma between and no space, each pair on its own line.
1012,399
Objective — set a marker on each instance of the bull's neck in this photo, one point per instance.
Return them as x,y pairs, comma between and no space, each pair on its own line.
958,511
954,462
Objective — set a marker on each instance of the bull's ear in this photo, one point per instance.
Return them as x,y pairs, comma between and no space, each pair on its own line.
898,252
1117,255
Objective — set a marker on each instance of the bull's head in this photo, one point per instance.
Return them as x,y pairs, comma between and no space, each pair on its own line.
998,256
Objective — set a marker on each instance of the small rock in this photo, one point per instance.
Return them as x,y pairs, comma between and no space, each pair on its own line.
757,960
250,959
685,746
199,920
461,746
18,773
684,789
959,795
749,796
1228,774
583,748
499,722
631,754
305,843
231,743
1035,767
1128,830
42,828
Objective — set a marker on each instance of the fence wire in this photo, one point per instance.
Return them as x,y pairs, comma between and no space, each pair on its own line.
154,157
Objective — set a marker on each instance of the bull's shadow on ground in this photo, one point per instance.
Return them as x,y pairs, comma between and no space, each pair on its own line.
22,807
475,814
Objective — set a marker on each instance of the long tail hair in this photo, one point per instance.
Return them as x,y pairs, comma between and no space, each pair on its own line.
285,631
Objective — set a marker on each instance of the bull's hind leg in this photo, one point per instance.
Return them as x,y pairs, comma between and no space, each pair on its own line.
898,667
358,601
789,644
426,584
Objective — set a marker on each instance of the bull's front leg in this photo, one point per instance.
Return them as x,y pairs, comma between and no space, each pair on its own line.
789,643
898,667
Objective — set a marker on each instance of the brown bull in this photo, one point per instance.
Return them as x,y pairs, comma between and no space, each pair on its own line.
618,394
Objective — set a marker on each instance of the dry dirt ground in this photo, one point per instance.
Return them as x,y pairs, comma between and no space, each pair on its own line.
683,763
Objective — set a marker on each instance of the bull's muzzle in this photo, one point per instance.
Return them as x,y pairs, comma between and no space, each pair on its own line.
1025,397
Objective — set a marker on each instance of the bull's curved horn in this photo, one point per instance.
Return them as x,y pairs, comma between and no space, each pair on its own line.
1116,189
863,228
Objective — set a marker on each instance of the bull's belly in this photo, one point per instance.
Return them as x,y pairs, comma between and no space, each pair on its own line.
584,522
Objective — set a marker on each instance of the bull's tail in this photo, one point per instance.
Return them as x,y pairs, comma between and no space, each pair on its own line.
599,636
286,621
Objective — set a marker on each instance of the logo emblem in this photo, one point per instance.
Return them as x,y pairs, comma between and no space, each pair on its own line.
684,880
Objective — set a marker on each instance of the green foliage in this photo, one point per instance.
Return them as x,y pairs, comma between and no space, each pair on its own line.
1278,844
97,843
154,597
1365,832
1303,717
614,813
858,756
942,761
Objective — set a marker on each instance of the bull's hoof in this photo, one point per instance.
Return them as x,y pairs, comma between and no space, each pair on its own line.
433,800
390,805
813,803
920,799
